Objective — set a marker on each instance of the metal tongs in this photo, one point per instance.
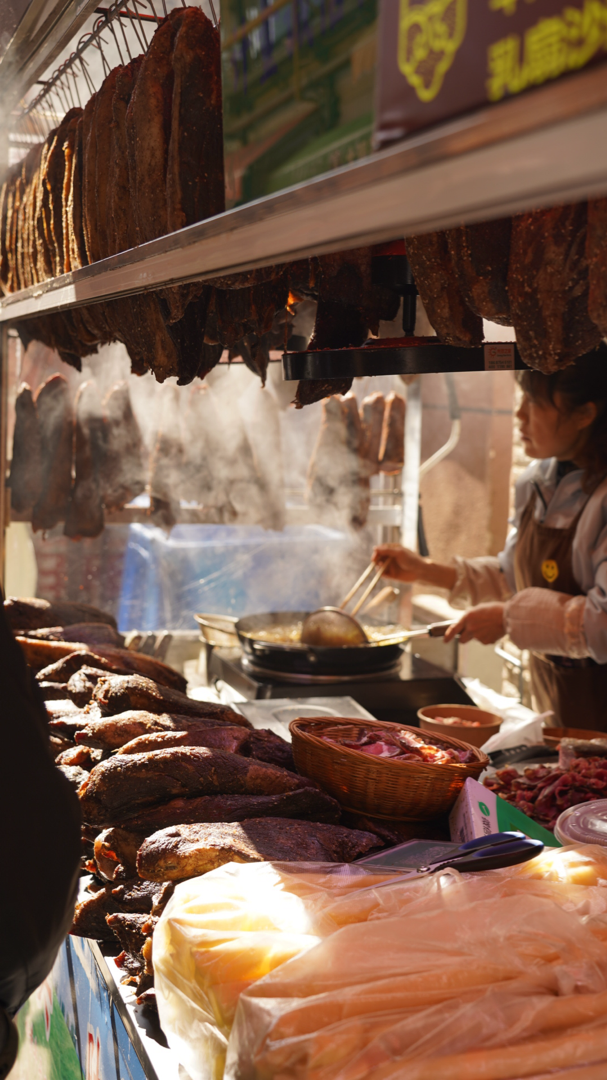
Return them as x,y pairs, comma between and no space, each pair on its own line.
485,853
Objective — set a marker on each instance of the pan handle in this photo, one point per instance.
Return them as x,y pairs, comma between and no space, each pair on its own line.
439,629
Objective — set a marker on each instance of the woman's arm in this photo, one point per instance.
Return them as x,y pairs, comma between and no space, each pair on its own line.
468,581
407,565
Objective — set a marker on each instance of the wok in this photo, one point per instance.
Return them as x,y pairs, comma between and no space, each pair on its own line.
301,659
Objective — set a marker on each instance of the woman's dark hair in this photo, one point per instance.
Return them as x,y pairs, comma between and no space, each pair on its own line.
578,384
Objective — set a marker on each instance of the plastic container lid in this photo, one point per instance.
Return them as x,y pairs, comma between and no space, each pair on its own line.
583,824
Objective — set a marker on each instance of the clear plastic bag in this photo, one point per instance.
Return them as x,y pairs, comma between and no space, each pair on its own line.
226,929
323,971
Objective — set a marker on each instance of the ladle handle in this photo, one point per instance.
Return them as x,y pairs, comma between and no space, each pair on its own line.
369,588
439,629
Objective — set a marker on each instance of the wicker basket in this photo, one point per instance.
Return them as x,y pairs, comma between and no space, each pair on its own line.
405,791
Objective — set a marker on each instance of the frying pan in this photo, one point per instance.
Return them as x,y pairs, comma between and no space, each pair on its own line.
301,659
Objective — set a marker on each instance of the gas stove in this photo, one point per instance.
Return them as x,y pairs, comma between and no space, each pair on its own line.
392,696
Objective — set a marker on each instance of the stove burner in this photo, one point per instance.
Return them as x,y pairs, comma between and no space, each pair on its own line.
392,671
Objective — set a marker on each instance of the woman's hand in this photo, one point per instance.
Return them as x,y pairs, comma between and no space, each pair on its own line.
403,564
484,623
407,565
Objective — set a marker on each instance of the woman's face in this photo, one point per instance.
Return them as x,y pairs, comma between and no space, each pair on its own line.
547,430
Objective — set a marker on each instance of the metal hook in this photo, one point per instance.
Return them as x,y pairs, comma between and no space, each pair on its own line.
126,40
135,24
151,2
113,33
215,19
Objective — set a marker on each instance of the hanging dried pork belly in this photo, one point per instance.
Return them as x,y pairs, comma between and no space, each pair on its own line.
166,463
85,511
195,178
72,159
55,416
14,282
55,172
204,481
196,357
441,292
45,246
372,417
337,480
104,159
26,464
312,390
596,254
240,319
480,256
73,221
89,177
6,202
548,287
120,223
261,418
30,232
148,125
349,304
64,331
392,449
123,469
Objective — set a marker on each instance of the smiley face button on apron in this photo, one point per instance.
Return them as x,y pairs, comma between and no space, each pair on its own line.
550,570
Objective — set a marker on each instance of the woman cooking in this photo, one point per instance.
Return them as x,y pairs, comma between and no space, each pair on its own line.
548,589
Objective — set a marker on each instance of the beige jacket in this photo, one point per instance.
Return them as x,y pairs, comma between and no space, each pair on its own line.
544,620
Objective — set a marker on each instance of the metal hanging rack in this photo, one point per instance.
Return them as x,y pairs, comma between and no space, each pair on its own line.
74,82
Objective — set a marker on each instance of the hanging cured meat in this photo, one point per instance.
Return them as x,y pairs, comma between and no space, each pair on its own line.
596,254
26,464
123,469
440,291
392,447
85,510
372,416
548,287
194,176
338,485
55,417
480,256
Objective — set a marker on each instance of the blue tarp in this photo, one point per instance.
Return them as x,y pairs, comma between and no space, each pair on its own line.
236,570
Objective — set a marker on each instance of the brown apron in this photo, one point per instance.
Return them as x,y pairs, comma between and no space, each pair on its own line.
575,690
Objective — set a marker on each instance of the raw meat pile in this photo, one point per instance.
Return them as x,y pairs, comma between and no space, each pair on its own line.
543,793
402,746
542,272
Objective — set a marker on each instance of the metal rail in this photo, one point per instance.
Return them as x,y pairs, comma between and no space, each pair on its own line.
542,149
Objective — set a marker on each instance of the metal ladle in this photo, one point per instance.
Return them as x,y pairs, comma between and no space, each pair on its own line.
334,628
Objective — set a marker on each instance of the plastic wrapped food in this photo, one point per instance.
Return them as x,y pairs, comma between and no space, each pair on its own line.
224,930
295,972
476,989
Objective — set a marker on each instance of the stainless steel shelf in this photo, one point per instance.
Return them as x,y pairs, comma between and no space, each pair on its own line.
546,147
